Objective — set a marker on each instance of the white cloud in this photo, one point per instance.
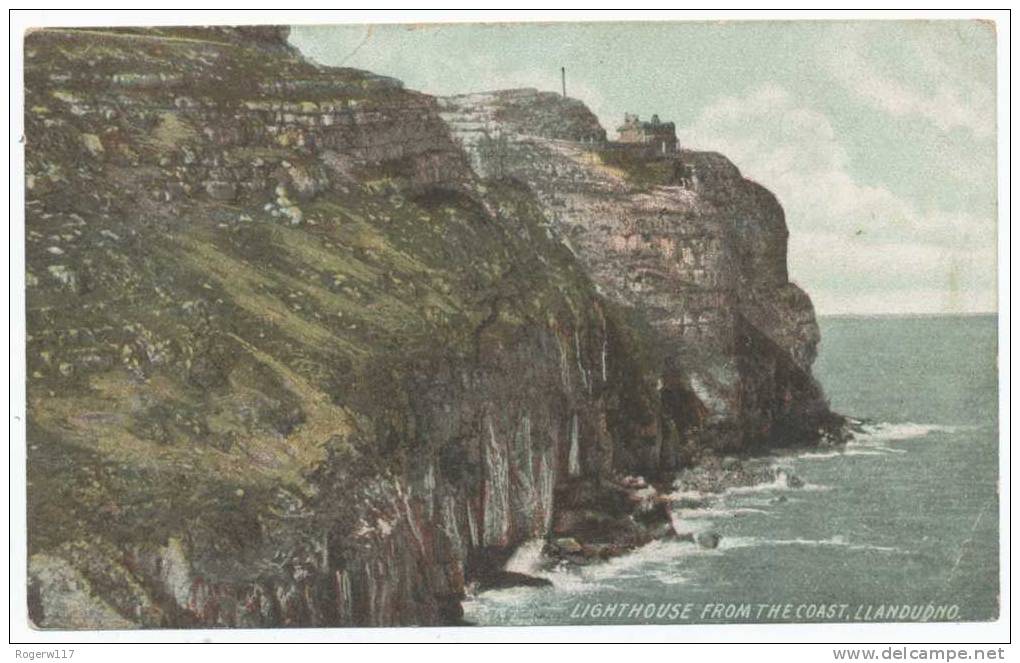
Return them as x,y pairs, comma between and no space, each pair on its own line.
942,90
851,244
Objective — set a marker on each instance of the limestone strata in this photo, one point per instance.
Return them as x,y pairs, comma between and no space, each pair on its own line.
687,242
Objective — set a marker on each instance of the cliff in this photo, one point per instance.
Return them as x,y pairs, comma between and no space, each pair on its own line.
297,358
683,242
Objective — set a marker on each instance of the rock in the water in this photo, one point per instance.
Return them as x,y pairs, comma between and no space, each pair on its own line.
567,545
708,539
508,579
794,481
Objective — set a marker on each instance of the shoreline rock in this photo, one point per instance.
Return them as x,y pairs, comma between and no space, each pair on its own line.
713,478
508,579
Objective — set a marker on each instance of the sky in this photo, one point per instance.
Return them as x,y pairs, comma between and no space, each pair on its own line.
878,137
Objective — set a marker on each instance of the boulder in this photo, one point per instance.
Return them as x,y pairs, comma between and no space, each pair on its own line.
708,540
591,526
636,482
294,214
65,275
92,143
569,551
508,579
302,184
567,545
219,190
792,480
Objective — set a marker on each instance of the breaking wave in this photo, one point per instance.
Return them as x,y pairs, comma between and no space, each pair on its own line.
658,560
711,512
873,440
835,541
527,558
780,483
885,432
663,561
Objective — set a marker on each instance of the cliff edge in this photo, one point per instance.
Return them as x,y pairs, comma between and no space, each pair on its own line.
680,240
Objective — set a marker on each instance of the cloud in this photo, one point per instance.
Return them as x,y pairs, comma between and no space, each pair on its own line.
852,244
941,90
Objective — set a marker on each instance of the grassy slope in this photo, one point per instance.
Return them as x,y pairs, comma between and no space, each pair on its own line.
201,365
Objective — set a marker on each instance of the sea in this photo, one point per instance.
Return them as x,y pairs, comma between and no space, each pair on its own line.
900,525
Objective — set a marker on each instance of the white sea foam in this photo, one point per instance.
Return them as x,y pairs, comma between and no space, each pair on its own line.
780,483
818,455
527,558
850,450
710,507
720,512
680,494
835,541
751,500
661,560
886,432
684,524
652,560
874,440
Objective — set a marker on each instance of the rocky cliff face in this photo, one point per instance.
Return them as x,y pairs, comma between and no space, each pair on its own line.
683,241
295,357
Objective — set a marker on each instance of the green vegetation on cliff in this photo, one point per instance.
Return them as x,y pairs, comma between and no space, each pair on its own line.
198,349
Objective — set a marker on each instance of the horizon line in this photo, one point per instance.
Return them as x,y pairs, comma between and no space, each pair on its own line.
909,314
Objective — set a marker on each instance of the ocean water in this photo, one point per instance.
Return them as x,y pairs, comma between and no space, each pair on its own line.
901,525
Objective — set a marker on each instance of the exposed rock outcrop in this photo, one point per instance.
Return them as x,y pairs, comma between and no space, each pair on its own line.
295,358
683,240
